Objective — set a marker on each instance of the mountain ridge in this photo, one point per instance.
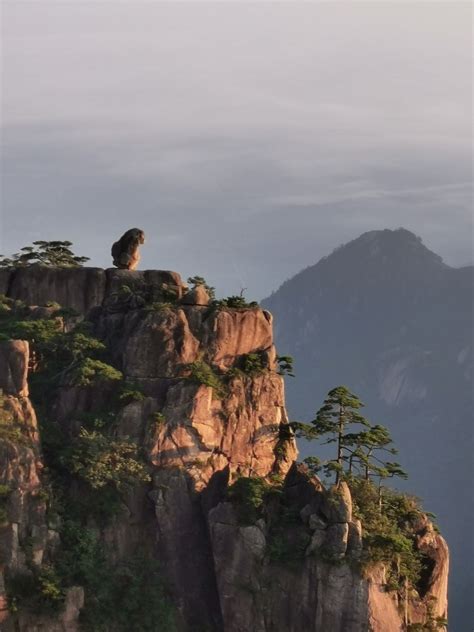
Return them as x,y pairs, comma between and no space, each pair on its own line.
386,316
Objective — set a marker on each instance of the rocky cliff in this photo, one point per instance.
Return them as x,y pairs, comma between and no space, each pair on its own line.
246,539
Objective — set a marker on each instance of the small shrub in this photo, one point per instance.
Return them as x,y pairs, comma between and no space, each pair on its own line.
286,547
285,365
130,393
203,373
10,430
198,280
168,295
253,364
158,419
235,302
100,420
80,555
159,306
100,461
90,372
65,312
128,595
249,493
38,590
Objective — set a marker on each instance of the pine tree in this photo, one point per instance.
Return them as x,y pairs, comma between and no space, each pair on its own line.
339,411
49,253
358,452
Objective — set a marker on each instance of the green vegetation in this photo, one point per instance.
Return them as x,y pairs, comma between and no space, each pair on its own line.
10,430
255,497
234,302
357,452
337,413
253,364
202,373
285,365
48,253
196,281
432,623
103,467
118,596
285,547
130,595
130,393
140,296
249,494
390,519
287,541
58,357
99,461
159,306
158,420
89,372
88,474
38,590
231,302
389,531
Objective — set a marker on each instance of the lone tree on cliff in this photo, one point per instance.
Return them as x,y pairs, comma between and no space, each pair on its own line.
48,253
338,412
357,452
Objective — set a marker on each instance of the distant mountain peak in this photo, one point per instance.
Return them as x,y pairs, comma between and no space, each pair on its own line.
388,246
387,257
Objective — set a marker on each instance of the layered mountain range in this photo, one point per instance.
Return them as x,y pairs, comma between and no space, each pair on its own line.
388,318
149,479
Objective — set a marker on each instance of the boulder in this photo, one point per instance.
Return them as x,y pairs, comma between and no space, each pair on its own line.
317,541
316,522
335,541
196,296
236,333
159,345
337,504
303,491
80,289
14,357
152,284
354,541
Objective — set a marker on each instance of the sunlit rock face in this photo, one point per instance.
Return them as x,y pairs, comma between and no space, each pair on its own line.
225,573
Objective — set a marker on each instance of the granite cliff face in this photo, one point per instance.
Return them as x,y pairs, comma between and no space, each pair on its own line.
292,567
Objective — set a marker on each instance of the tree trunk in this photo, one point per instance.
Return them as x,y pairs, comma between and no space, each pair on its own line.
339,443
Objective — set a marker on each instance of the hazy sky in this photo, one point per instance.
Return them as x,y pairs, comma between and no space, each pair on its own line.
247,140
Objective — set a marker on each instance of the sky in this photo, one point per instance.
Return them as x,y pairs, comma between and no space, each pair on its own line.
248,140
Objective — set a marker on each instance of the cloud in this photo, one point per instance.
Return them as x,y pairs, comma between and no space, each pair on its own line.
247,141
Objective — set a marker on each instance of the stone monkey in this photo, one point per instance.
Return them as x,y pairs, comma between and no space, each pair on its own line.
125,251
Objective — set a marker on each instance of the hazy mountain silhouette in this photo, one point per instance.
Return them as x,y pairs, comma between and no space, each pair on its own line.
385,316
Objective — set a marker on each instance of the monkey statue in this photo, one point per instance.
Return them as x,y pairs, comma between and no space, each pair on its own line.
125,251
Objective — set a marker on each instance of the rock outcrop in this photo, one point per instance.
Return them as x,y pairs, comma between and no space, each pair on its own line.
292,568
24,528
